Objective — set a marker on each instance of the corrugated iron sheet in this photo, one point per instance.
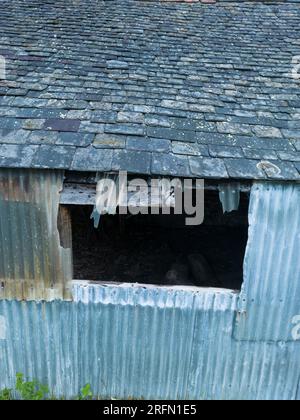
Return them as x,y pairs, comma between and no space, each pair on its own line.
163,343
271,292
135,342
33,265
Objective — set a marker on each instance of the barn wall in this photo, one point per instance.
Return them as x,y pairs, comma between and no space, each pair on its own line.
131,342
136,342
270,298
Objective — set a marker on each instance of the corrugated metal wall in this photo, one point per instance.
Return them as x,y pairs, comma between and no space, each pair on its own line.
136,342
33,265
271,292
130,342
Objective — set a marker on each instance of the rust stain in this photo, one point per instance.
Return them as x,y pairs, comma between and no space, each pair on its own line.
33,264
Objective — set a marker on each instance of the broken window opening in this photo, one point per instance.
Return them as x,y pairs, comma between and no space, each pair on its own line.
160,249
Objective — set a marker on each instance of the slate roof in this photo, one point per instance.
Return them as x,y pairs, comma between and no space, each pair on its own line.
183,89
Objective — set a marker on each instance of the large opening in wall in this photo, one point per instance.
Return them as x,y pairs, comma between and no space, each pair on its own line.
160,249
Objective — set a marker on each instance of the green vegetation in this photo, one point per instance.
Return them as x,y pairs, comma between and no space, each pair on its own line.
34,390
5,395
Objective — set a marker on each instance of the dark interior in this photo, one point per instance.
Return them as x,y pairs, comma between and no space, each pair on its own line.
162,250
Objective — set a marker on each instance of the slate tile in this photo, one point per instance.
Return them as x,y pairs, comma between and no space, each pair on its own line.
148,144
74,139
233,128
170,164
279,170
33,124
245,142
109,141
165,103
144,109
117,65
32,113
130,117
76,114
149,79
291,134
260,154
89,97
16,155
189,149
91,127
244,168
268,132
13,137
201,108
10,124
104,116
206,127
183,123
294,125
58,157
76,105
215,118
289,156
226,151
125,129
156,120
172,112
60,124
271,144
131,161
216,138
172,134
92,159
41,137
208,167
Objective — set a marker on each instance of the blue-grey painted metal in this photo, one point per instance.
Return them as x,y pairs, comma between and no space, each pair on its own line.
145,342
134,342
270,297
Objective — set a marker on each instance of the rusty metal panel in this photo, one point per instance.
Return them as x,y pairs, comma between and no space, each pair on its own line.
33,265
270,297
135,342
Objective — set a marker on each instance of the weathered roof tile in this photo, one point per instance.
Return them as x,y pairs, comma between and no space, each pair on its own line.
60,124
94,159
131,161
170,164
16,155
244,168
58,158
173,89
226,151
182,148
148,144
208,168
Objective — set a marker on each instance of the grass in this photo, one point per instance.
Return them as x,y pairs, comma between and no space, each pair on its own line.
35,391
